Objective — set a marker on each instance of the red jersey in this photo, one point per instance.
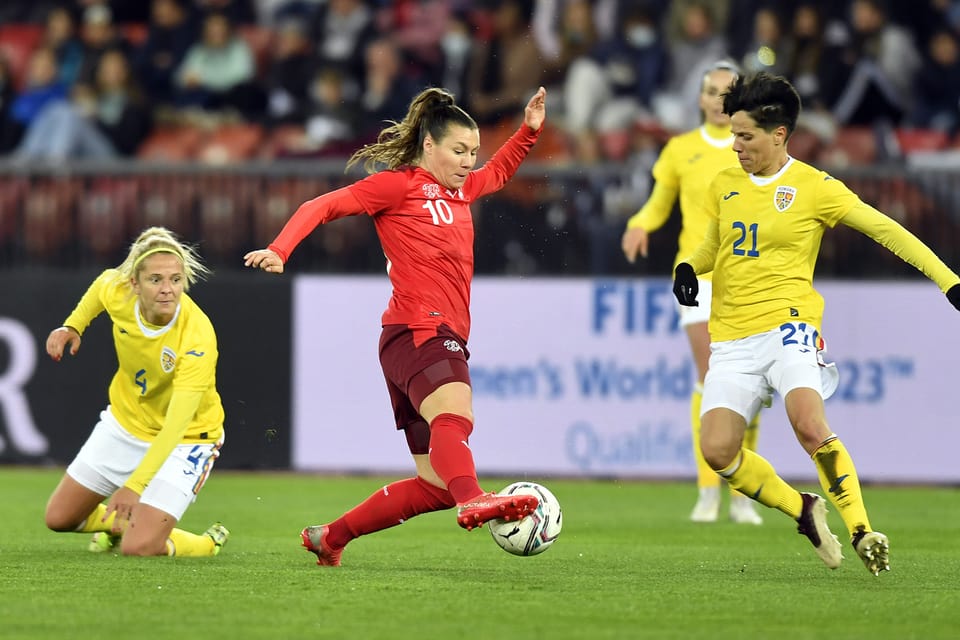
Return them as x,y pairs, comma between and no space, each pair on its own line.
426,232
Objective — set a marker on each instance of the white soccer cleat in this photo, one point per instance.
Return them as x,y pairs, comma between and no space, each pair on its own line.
813,524
707,508
874,549
743,510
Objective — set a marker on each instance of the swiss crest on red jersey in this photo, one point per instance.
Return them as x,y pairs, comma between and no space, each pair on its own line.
783,198
431,190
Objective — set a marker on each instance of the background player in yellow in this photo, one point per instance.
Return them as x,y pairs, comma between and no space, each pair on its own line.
158,438
685,167
768,219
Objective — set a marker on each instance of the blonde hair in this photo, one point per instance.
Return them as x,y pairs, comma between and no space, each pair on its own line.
400,144
161,240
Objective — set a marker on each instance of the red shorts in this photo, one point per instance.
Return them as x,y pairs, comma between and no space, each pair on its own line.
413,371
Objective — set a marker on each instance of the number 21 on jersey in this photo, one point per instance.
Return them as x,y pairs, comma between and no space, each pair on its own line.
747,235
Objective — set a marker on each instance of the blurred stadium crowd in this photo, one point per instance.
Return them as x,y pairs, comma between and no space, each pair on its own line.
260,84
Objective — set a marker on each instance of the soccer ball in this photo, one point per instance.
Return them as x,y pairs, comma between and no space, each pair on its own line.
535,532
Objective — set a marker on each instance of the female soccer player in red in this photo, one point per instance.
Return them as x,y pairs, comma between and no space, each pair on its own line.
420,205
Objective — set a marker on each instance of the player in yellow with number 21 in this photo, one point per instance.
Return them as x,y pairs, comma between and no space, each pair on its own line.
156,441
686,166
767,220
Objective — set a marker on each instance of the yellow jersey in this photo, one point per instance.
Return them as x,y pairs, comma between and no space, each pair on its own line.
687,164
764,239
155,361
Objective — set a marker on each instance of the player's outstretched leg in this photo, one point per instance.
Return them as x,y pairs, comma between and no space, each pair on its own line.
813,524
874,549
488,506
314,539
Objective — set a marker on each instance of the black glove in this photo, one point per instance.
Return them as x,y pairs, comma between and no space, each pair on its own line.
686,287
953,295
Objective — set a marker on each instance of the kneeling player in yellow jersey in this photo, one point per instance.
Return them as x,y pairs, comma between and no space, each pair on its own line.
685,167
158,438
767,220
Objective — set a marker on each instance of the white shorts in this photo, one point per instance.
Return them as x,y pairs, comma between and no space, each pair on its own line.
744,373
111,454
696,315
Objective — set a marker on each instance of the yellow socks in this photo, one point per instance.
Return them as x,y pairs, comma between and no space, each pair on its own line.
706,477
840,483
184,544
753,476
750,438
92,524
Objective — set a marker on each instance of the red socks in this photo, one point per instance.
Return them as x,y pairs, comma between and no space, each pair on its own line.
387,508
451,458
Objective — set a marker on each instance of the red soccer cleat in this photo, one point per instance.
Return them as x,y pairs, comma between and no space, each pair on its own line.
315,541
489,506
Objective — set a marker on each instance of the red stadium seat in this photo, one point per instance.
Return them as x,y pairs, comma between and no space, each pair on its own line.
231,143
171,144
851,146
804,145
913,140
17,42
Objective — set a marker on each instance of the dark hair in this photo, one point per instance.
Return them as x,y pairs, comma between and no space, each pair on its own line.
770,100
431,112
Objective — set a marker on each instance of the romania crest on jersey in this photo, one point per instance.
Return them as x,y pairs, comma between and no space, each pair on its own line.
783,198
167,359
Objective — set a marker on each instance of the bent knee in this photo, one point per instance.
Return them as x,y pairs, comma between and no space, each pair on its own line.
719,458
60,522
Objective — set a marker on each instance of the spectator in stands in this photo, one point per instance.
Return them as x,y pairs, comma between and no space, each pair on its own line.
691,53
575,37
43,87
170,34
937,85
60,35
218,73
106,120
505,69
270,13
99,34
770,49
550,16
387,90
342,29
457,47
331,122
417,27
881,60
813,64
288,77
613,87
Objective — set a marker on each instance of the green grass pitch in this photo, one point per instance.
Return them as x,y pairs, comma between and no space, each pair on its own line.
627,565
